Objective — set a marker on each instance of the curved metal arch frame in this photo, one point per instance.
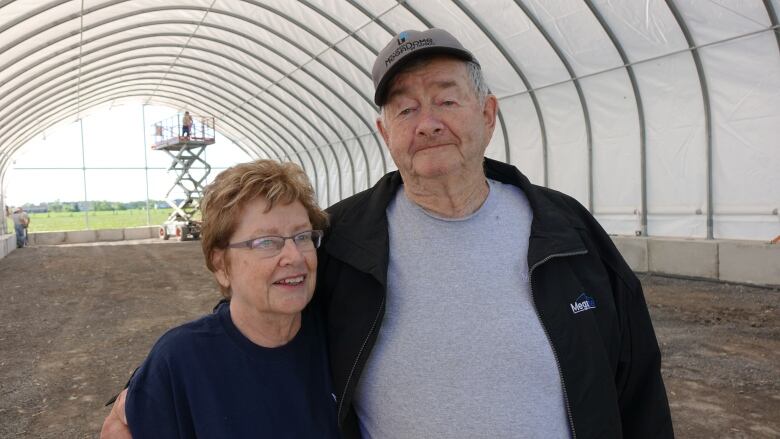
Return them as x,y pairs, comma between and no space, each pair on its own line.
71,79
577,86
291,42
307,106
201,104
320,38
501,120
37,12
374,18
353,34
255,148
308,122
111,98
19,144
248,81
60,83
767,4
377,19
324,85
224,99
526,83
292,94
280,125
640,109
28,109
706,103
770,11
283,88
259,110
189,100
332,70
4,3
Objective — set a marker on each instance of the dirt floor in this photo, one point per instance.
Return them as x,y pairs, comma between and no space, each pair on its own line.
76,320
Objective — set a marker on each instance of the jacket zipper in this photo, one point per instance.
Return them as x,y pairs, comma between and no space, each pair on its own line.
547,334
354,364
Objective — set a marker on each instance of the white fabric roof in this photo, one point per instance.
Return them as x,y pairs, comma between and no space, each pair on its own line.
656,112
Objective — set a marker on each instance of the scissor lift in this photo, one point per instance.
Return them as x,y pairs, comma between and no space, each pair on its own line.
186,152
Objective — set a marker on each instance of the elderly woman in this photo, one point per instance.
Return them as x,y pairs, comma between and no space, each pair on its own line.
257,366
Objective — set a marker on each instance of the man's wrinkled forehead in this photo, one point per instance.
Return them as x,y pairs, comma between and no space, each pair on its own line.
444,75
399,89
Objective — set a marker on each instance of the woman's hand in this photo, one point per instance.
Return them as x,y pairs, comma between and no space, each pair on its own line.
115,425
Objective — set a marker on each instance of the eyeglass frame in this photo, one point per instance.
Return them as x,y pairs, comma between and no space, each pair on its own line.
316,236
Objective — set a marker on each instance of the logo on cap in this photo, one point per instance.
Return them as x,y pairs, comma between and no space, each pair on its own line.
402,38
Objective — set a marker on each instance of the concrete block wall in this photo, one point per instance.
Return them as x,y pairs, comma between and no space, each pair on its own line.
756,263
140,232
750,262
634,251
7,244
695,258
83,236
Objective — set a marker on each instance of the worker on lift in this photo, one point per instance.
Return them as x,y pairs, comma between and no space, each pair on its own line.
186,124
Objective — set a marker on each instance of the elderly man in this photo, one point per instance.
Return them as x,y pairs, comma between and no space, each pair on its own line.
463,301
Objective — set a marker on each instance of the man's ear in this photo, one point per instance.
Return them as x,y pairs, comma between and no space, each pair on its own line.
489,111
382,130
219,260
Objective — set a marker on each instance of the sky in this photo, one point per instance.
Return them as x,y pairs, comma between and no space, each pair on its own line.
113,155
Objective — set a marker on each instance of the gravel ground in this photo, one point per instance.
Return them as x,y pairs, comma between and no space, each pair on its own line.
76,320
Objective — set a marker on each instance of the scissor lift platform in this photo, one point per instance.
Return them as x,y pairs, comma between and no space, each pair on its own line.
176,144
186,152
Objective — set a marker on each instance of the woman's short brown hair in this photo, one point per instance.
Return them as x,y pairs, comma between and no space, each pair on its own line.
224,199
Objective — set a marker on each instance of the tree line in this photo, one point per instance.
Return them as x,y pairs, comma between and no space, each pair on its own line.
98,205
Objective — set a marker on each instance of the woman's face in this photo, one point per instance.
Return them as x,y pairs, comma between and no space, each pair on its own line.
277,285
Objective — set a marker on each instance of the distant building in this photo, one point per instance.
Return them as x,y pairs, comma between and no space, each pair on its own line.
31,208
37,209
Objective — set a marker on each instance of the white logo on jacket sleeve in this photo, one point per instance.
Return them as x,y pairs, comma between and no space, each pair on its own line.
582,303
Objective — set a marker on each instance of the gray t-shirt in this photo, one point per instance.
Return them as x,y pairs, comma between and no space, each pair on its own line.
461,352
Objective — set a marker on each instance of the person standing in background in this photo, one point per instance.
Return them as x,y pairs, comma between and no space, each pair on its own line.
21,221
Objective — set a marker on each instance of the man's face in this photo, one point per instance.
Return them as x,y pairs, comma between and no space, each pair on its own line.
434,124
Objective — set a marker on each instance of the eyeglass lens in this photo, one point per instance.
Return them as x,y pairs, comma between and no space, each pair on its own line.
308,240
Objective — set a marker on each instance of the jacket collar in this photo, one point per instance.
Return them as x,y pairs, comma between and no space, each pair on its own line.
360,236
554,229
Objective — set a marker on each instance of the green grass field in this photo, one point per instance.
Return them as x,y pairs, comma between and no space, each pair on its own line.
61,221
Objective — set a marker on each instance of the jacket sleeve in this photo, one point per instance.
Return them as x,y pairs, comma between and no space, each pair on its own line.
642,400
644,408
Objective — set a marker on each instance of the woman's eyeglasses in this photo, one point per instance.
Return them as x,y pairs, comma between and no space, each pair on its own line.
268,246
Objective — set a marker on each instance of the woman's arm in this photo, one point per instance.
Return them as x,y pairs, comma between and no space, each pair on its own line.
115,424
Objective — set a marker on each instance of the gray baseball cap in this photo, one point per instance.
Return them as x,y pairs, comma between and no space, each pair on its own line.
409,45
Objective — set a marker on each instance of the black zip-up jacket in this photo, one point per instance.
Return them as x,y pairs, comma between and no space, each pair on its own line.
606,351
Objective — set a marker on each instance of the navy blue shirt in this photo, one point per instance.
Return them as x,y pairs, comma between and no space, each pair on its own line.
205,379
